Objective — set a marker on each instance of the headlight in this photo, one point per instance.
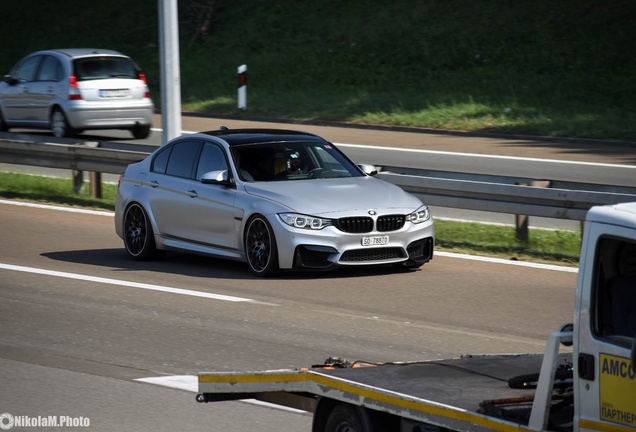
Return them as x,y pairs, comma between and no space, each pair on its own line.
303,221
420,215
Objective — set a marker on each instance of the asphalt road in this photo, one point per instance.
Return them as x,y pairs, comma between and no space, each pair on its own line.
81,323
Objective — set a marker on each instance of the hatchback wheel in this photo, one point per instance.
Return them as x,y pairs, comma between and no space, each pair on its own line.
260,247
141,131
59,125
3,124
139,238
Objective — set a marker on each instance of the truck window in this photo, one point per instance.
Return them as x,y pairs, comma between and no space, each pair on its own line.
615,291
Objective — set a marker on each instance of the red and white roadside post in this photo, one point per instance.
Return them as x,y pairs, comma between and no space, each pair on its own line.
242,87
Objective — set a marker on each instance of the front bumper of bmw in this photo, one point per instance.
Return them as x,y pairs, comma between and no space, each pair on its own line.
405,242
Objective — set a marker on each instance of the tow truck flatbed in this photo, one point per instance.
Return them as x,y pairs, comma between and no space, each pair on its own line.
471,391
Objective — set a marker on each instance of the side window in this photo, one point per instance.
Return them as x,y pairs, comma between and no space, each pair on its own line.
212,158
183,159
615,291
160,164
50,70
25,71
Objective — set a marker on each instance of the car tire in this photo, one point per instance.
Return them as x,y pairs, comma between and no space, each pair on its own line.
3,124
59,124
140,131
139,237
261,251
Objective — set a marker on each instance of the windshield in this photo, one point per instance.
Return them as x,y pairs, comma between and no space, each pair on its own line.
292,161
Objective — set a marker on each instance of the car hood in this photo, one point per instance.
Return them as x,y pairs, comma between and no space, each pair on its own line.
342,195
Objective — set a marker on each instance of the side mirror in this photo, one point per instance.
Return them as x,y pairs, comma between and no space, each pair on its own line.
368,169
220,177
567,328
9,80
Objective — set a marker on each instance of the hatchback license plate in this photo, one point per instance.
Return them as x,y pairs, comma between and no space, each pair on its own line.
114,93
375,241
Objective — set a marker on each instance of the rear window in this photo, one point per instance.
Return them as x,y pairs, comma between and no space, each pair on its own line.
103,67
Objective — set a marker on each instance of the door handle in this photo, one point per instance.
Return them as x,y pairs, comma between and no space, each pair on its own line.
154,183
193,193
586,366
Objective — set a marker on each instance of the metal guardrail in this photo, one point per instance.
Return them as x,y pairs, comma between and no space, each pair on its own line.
445,192
79,156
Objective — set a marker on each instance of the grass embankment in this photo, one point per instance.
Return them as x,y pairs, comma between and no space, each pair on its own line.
556,247
543,68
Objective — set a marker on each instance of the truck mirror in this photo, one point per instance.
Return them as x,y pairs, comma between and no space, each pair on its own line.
569,327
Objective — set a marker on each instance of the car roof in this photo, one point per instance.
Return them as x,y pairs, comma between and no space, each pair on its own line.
84,52
254,136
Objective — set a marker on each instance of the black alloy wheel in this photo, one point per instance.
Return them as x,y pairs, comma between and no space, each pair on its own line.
260,247
139,238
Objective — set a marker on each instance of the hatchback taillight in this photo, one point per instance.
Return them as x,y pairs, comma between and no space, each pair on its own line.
142,76
73,89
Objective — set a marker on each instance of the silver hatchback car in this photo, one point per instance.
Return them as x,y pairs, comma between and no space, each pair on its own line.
275,199
72,90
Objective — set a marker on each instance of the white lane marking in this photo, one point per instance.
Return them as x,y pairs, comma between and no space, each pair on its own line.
446,254
508,262
191,383
484,156
128,284
59,208
182,382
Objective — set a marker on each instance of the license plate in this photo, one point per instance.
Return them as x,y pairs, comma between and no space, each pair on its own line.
113,93
375,240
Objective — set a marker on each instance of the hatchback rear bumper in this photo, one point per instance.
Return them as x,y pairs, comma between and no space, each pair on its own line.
93,116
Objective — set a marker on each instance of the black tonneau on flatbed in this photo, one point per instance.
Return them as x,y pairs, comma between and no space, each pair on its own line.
464,382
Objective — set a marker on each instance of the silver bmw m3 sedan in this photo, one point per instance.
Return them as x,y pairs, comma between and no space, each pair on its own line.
275,199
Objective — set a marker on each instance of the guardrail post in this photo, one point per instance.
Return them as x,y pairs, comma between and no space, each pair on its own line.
521,221
521,225
96,184
78,181
96,177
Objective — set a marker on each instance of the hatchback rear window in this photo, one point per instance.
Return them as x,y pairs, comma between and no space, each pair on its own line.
92,68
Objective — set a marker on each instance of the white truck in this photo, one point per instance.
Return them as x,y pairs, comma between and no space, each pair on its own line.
590,386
